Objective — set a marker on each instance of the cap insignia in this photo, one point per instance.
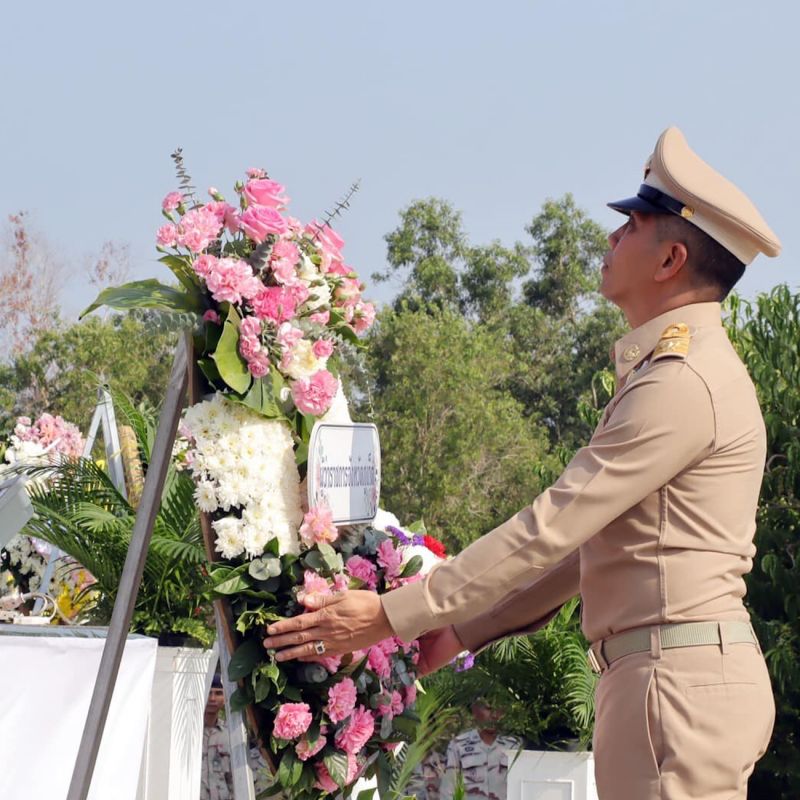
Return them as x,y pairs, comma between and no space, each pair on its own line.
687,212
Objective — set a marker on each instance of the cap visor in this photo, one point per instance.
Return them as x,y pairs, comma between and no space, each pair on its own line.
636,204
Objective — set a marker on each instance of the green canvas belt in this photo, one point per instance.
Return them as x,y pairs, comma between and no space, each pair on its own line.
683,634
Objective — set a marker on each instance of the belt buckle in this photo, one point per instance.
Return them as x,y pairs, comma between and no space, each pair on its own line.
594,662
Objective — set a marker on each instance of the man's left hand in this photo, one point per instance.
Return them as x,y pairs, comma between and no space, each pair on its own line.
343,622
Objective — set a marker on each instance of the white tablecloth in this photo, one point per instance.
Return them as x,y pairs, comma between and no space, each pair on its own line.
46,680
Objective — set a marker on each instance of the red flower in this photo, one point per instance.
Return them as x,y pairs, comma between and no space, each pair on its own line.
435,546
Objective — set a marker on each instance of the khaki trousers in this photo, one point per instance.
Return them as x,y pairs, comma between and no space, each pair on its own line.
687,723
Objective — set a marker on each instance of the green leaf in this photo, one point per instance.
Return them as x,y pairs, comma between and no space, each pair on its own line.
301,454
149,293
263,569
337,767
332,559
260,399
245,659
291,767
412,568
366,794
181,268
209,368
313,559
418,527
239,701
232,367
233,585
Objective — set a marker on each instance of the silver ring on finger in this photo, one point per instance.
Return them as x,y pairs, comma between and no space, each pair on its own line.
319,647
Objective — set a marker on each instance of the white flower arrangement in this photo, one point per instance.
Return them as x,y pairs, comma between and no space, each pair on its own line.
244,464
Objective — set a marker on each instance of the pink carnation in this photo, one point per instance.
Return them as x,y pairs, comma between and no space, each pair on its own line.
226,214
318,526
305,750
256,172
283,259
258,222
364,317
292,720
411,695
390,705
275,303
264,192
356,733
321,317
289,336
250,327
322,348
388,645
258,364
212,316
348,292
171,201
331,663
232,279
390,559
341,700
328,784
314,395
198,228
363,570
378,662
314,586
202,265
167,235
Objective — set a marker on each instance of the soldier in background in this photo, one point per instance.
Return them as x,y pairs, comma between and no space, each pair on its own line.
425,780
480,756
216,782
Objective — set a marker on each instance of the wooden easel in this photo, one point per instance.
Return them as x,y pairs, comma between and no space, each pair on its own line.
184,375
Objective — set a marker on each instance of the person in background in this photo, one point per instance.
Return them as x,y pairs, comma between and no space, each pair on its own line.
216,781
425,780
480,756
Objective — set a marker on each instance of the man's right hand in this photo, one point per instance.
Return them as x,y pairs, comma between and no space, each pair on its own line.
438,648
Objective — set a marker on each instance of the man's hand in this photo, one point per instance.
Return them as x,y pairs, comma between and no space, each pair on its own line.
343,622
438,648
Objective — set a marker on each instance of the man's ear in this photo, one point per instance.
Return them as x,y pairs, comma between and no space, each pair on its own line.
674,261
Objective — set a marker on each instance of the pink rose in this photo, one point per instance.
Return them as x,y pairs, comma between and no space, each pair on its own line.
167,235
363,570
322,348
314,395
275,303
264,192
356,733
256,172
341,700
318,526
171,201
198,228
258,222
292,720
305,750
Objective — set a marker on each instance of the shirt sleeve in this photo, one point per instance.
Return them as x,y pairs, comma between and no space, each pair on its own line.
448,785
662,423
526,608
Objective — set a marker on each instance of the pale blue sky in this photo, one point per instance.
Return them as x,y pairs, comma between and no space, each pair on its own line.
494,106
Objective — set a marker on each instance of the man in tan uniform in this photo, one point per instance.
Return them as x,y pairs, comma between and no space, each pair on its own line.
652,521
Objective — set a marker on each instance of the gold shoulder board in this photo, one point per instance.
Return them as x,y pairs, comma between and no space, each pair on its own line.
674,342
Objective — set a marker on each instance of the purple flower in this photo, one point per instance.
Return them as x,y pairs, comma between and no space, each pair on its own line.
399,535
465,663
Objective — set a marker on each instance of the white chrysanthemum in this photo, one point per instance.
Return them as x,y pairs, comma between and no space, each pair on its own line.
230,538
206,497
320,295
383,519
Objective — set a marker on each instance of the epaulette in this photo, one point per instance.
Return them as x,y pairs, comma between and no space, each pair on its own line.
674,342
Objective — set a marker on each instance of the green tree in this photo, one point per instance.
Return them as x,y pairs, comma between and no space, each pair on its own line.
767,336
459,450
59,373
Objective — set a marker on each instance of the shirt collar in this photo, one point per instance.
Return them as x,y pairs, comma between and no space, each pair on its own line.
636,346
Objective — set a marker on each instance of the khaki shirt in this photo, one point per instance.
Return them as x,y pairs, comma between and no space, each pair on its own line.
216,782
426,777
483,767
653,521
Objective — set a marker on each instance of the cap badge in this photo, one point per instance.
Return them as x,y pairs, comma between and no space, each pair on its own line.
687,212
631,353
